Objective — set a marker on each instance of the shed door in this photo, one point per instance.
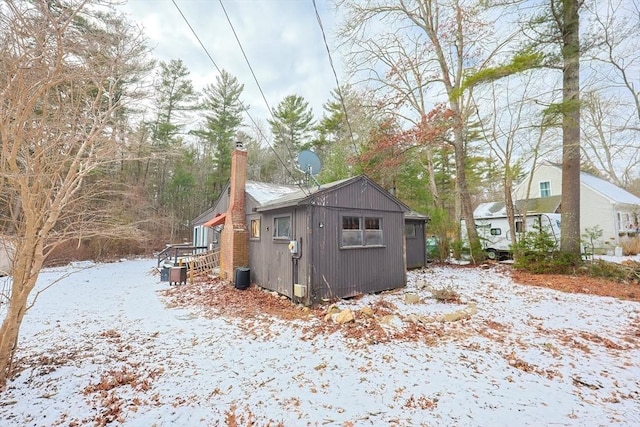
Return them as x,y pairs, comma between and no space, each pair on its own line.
415,244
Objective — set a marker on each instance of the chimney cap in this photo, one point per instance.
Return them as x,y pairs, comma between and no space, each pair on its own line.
239,145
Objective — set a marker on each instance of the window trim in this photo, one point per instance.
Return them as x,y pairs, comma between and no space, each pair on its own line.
362,218
547,190
251,228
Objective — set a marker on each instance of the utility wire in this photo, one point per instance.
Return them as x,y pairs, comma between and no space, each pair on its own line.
196,36
264,98
335,75
235,34
246,110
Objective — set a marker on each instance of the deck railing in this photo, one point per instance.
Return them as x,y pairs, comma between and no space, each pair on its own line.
176,253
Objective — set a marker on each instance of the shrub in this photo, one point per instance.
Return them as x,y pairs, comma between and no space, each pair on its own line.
590,238
536,252
625,273
630,246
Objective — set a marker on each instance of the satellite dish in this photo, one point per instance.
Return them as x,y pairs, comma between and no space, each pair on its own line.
309,162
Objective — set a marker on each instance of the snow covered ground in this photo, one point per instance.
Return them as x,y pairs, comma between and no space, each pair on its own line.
101,346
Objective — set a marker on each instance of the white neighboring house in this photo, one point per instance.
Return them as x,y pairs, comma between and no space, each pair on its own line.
603,204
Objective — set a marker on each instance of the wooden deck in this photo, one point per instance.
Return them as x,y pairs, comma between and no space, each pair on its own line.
197,259
207,263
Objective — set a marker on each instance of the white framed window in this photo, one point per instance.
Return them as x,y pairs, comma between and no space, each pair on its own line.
282,227
545,189
361,231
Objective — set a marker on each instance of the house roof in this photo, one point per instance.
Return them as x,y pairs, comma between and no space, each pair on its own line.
273,196
301,196
416,216
204,216
605,188
612,191
264,192
539,205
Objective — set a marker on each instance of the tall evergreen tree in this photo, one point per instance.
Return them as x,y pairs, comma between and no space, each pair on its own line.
174,95
223,119
292,126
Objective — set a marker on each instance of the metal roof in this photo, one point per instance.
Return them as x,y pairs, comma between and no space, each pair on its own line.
264,192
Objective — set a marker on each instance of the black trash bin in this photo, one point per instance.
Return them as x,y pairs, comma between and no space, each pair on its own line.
243,278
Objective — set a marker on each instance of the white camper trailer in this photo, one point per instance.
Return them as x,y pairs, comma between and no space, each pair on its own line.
495,236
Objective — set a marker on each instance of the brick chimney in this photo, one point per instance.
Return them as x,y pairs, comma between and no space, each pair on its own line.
234,245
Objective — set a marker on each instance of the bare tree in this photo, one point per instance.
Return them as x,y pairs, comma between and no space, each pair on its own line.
62,83
508,124
611,106
566,17
615,59
423,51
609,147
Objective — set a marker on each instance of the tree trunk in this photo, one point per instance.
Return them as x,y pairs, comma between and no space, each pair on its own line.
570,235
464,196
9,334
23,282
431,176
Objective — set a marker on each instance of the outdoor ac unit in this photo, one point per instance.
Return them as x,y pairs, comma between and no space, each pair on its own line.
300,291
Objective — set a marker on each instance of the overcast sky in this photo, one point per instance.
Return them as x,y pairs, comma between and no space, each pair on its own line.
281,38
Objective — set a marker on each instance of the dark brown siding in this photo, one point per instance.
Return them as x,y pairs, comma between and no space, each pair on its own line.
342,272
359,194
416,246
272,265
327,269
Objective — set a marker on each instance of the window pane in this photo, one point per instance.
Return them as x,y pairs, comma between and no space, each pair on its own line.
255,228
372,224
281,227
496,231
351,237
519,226
351,223
373,237
545,189
410,230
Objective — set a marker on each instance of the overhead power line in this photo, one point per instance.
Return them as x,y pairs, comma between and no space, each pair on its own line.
246,111
335,75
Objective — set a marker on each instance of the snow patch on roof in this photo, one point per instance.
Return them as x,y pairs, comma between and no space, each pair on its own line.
608,189
264,192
